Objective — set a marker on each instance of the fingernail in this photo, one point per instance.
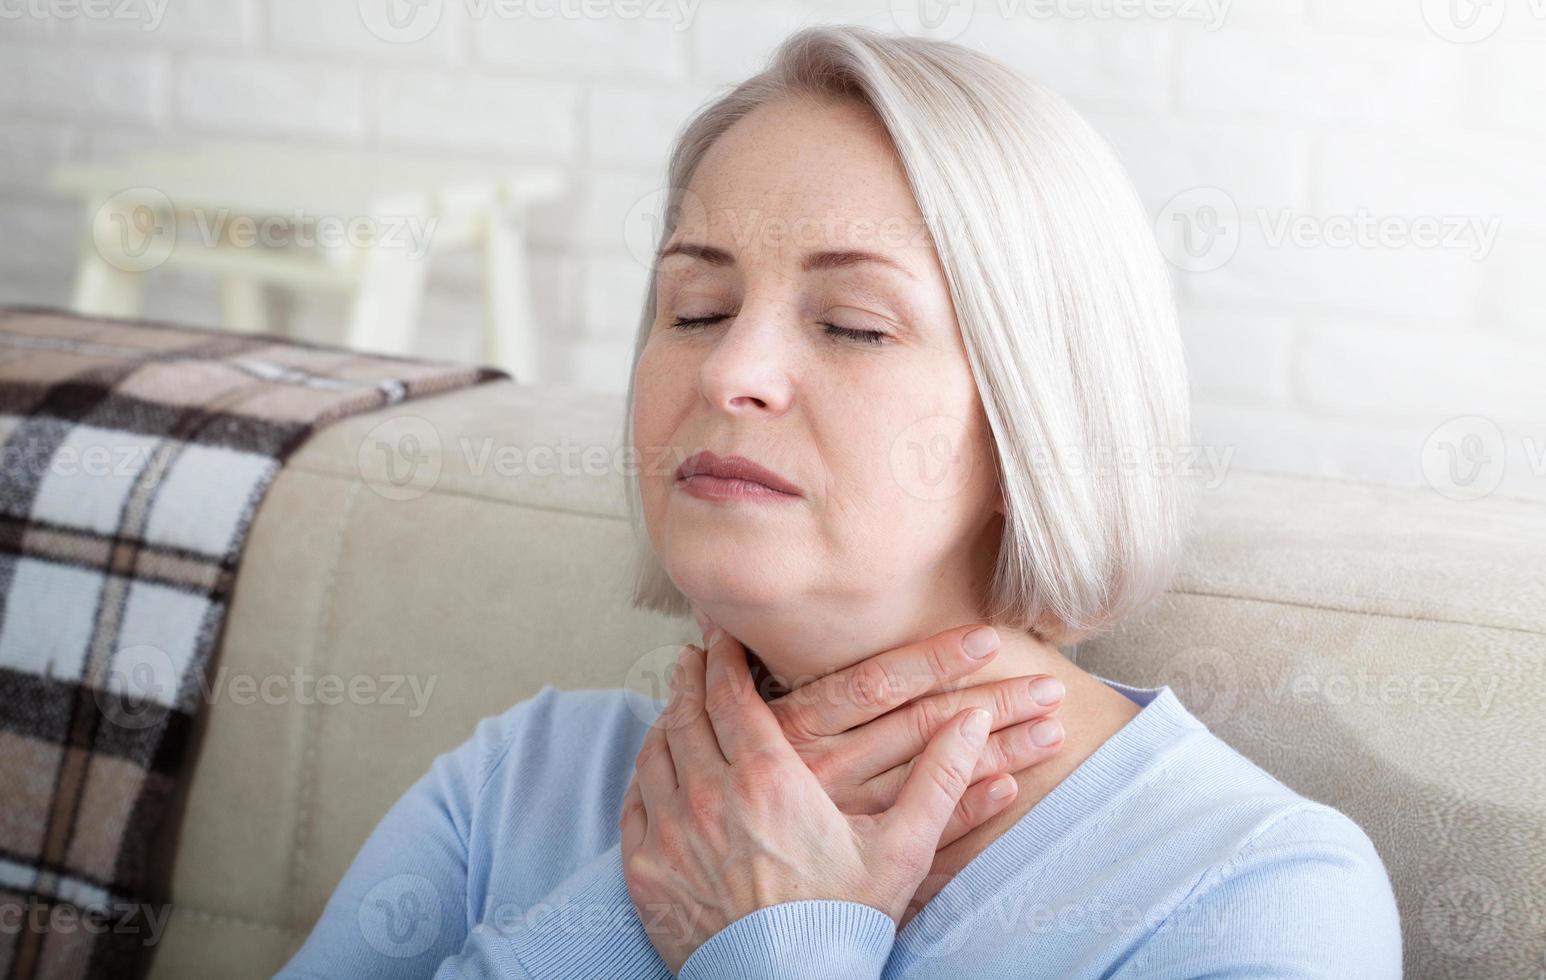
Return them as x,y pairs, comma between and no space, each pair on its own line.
976,726
1000,789
1046,733
1047,690
980,642
712,636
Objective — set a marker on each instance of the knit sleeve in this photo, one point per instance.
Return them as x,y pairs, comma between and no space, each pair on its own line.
586,927
813,939
401,911
1306,898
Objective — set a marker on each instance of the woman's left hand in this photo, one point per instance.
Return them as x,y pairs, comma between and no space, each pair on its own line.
724,818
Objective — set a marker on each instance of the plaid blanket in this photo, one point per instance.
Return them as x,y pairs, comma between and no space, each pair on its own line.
135,456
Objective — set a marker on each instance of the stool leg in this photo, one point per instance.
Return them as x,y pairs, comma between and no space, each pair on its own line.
242,305
104,290
385,314
510,336
110,279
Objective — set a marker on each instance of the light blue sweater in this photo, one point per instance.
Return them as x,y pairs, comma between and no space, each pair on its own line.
1165,854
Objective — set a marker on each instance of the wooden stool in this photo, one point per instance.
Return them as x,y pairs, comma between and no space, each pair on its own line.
253,214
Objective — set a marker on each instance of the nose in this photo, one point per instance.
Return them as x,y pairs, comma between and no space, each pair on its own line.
746,371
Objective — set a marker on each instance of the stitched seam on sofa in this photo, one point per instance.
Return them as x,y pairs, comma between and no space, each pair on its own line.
236,920
1268,600
452,491
1338,481
311,720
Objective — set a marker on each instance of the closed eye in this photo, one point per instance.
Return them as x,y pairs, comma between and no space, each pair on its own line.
846,333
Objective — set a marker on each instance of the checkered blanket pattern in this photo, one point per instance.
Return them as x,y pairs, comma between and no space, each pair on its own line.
135,455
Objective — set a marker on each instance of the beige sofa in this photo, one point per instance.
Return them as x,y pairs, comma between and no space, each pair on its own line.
1382,650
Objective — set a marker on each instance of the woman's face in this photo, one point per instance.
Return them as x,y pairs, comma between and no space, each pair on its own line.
803,321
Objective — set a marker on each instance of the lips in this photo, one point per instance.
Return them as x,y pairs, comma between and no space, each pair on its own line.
734,468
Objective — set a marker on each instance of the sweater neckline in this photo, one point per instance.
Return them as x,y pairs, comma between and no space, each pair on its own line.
1160,725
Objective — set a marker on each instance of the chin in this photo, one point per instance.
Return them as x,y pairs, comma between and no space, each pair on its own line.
726,577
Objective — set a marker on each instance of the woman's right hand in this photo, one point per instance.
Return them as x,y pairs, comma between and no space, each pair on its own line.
860,729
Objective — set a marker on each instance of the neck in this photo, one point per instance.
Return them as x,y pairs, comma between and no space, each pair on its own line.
787,651
1091,713
1020,654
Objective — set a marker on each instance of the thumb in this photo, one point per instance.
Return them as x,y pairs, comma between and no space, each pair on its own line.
940,777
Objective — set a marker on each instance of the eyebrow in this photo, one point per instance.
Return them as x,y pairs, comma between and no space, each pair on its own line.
813,261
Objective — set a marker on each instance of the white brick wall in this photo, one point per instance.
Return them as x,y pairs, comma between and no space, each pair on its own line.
269,96
1302,115
426,108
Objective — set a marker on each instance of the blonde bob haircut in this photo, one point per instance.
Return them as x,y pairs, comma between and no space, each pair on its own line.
1063,302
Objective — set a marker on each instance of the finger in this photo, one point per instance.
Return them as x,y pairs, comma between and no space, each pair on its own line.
1020,747
632,821
654,772
939,779
877,684
1009,750
741,720
694,748
978,804
897,738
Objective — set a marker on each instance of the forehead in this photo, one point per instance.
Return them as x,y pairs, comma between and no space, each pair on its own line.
804,174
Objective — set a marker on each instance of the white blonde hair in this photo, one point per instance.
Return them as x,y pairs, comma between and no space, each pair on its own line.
1063,302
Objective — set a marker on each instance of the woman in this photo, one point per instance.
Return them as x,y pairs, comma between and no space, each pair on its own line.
914,358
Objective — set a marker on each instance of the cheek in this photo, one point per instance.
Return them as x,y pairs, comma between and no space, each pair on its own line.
654,409
659,387
871,466
921,462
